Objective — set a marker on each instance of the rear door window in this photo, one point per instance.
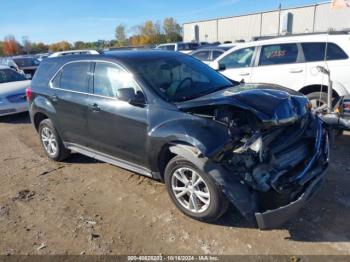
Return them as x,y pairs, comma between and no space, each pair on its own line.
278,54
74,77
315,52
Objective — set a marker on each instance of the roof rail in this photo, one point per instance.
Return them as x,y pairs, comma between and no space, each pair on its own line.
343,32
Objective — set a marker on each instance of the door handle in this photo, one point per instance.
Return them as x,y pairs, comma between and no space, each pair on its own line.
296,71
244,74
95,107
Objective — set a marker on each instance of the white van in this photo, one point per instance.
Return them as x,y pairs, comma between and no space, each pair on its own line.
292,61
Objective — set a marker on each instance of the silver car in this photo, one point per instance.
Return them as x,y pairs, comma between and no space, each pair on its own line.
12,91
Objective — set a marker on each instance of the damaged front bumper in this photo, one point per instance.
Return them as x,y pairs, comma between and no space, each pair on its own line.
310,178
273,218
248,201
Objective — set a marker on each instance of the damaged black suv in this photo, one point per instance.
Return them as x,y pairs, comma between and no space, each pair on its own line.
170,117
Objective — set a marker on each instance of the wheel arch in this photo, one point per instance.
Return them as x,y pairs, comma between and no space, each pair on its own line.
166,153
38,118
317,88
41,108
238,194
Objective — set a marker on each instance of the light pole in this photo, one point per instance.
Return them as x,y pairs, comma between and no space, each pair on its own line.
279,18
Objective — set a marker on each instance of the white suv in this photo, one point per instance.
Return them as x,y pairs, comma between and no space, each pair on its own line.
292,62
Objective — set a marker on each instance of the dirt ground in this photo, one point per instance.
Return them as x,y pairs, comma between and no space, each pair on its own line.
83,206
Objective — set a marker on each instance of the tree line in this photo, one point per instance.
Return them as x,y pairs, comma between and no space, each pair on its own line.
147,34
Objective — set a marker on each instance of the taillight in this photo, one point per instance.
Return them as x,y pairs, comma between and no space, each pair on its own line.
28,93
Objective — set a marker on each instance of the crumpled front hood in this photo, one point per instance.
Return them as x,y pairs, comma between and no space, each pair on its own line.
270,103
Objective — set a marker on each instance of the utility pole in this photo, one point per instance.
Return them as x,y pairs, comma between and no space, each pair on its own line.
279,18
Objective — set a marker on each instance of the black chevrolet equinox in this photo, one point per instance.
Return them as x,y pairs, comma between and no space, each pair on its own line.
168,116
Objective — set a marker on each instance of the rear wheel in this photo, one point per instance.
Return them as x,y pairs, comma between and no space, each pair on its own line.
51,141
317,99
194,192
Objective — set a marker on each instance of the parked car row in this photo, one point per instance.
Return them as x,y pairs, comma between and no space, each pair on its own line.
25,65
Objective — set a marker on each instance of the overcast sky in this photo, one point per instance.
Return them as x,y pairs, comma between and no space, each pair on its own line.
90,20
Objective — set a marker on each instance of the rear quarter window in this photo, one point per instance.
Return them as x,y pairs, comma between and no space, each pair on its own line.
74,77
314,52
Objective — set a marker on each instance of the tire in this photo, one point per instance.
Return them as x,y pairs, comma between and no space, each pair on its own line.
317,98
48,135
216,204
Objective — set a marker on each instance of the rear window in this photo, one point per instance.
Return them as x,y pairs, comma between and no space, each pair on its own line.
73,77
167,47
9,75
187,46
314,52
278,54
202,55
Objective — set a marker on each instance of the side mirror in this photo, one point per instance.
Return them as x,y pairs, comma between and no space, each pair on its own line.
214,65
222,67
128,95
217,66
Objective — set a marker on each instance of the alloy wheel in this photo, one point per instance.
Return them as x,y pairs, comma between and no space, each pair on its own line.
49,141
190,190
317,103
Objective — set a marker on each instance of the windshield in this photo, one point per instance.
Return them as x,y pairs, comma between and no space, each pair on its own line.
9,75
179,78
25,62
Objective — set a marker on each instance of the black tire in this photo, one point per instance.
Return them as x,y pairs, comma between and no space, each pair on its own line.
218,204
318,97
62,152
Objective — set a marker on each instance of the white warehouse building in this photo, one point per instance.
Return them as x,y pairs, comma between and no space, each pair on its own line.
304,19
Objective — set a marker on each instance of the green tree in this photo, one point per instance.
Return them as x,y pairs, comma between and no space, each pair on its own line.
172,30
2,48
27,45
40,47
120,35
79,45
60,46
148,33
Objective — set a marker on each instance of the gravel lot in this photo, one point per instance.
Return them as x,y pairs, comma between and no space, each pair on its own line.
83,206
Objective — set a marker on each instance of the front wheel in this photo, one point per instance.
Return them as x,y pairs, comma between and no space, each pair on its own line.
194,192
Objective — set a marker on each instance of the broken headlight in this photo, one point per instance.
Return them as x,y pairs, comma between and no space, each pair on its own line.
254,143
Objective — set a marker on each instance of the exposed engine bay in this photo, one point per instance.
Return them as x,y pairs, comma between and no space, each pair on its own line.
270,159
